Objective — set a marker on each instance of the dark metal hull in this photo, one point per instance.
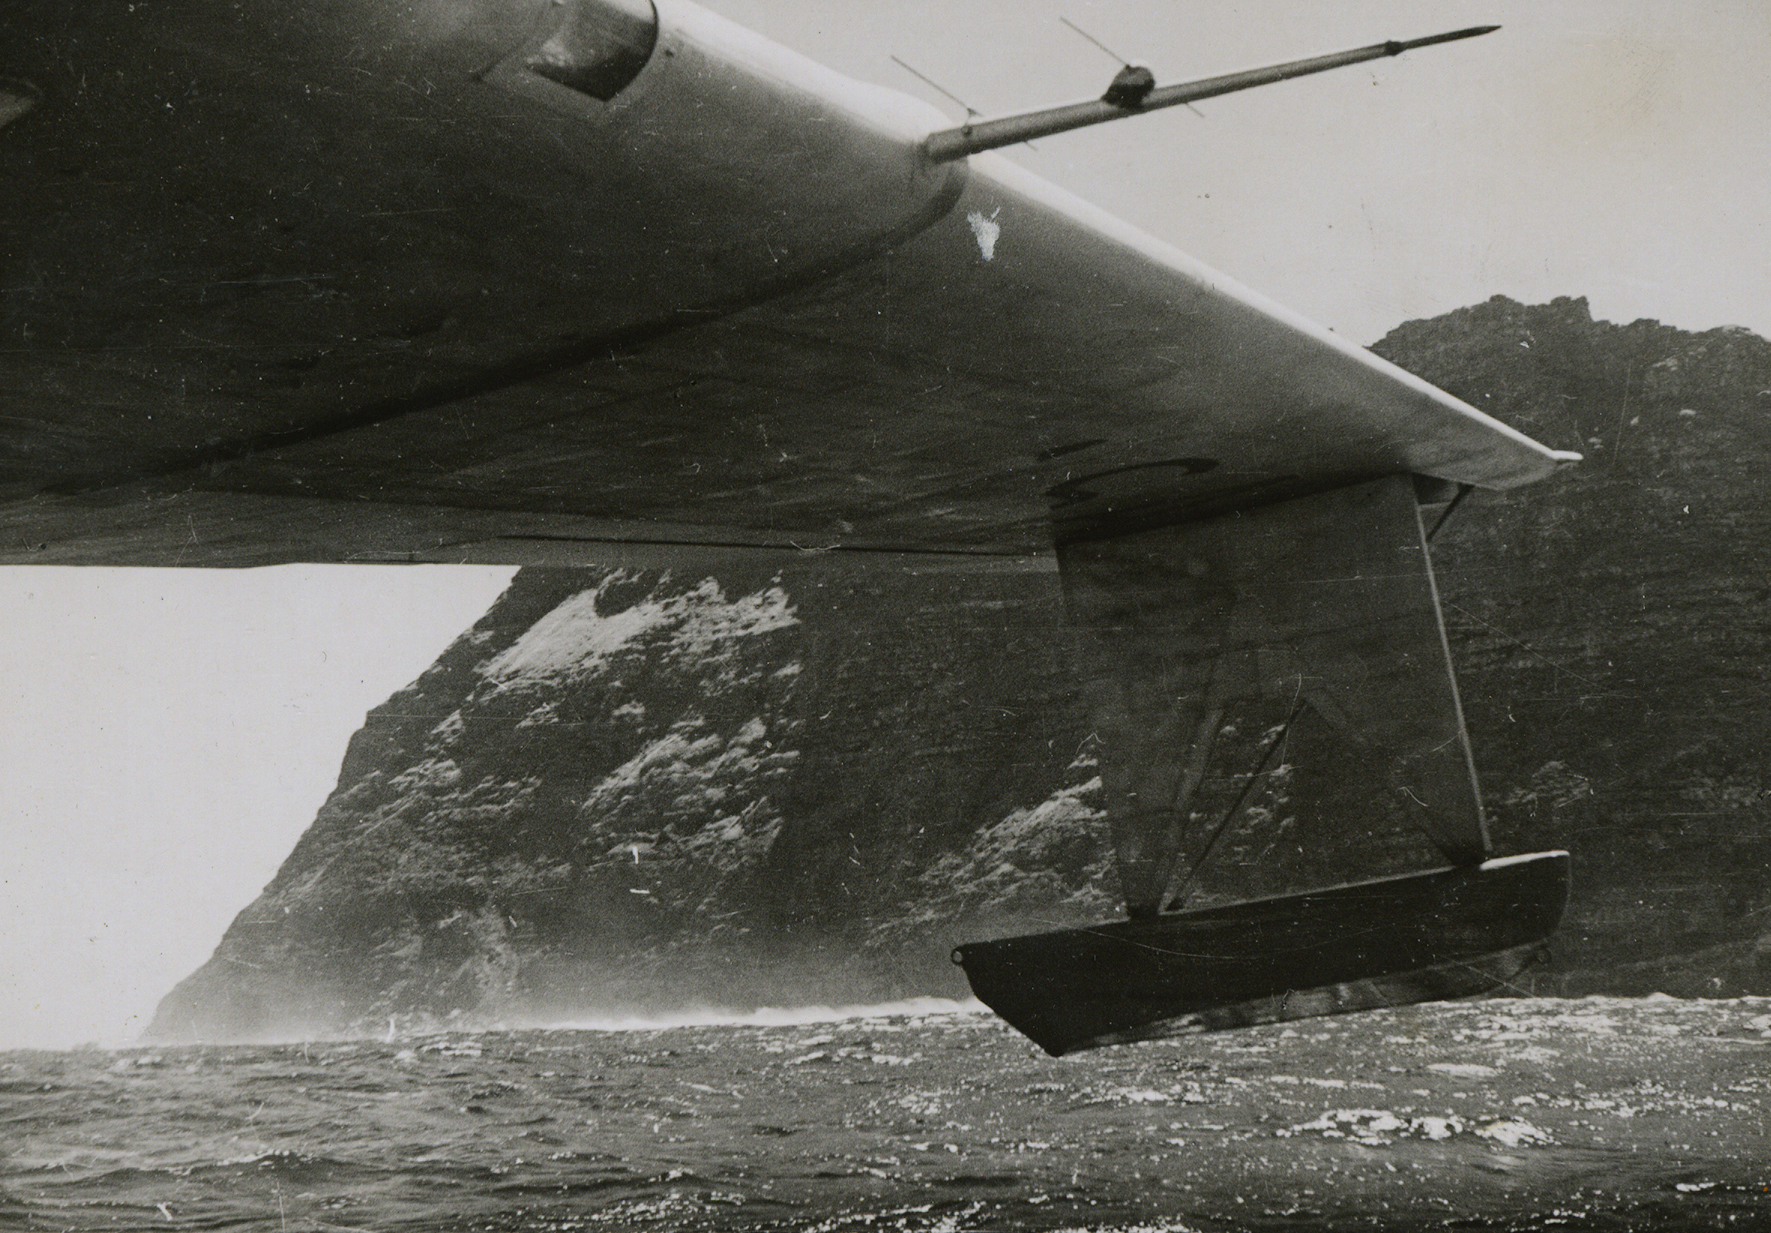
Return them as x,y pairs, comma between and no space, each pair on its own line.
1394,941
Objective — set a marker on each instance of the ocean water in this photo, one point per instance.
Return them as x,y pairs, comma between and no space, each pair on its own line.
1600,1114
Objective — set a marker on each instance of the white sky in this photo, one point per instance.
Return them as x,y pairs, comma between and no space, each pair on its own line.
1618,149
165,736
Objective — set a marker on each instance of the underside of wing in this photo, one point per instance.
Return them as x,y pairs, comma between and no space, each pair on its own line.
627,278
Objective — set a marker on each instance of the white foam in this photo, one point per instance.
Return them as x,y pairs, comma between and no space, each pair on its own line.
767,1016
1513,1132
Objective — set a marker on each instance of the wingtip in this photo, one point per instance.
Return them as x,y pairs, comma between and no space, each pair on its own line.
1469,32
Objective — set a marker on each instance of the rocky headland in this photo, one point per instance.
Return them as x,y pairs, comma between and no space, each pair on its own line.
646,792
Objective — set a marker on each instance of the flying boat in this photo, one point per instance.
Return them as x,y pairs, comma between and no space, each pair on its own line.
575,282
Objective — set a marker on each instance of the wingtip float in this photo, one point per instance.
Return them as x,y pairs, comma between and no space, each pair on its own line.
1432,936
1134,91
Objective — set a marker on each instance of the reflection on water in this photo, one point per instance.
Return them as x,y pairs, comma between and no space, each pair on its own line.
1600,1114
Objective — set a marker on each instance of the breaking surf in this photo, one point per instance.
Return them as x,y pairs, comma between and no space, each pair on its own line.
1529,1114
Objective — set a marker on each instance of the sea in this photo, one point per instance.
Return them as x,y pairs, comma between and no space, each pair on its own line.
1515,1114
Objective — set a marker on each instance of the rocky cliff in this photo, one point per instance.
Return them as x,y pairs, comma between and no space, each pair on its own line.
639,792
647,792
1612,631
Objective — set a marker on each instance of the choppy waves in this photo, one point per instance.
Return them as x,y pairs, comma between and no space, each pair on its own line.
1610,1115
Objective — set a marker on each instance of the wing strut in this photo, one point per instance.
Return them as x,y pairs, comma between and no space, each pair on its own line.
1325,600
1134,92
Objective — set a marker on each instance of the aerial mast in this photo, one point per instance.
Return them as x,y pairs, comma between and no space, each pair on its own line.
1134,91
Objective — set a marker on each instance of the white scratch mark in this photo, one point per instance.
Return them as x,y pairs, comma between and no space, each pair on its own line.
986,230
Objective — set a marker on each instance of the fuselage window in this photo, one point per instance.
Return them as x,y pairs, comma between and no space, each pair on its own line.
600,46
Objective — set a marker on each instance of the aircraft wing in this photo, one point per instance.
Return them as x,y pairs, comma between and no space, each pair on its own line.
565,281
393,281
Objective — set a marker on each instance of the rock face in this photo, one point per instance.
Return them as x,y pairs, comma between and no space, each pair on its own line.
1612,632
650,792
643,792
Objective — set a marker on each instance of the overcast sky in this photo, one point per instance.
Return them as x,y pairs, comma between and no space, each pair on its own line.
1618,149
165,736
